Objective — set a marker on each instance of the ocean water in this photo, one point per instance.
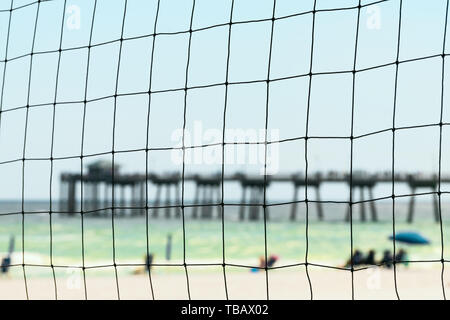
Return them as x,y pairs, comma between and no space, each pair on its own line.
67,242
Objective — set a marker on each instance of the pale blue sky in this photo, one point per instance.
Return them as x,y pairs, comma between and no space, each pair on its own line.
418,103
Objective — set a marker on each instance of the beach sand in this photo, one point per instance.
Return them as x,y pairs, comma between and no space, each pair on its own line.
288,283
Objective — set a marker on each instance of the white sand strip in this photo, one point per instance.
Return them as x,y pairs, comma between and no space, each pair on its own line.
283,284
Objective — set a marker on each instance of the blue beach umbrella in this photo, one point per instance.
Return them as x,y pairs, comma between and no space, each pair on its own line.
410,237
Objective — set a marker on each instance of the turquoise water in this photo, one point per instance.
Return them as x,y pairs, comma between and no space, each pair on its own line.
243,242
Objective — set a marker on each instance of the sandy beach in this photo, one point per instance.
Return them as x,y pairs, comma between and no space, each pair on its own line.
329,244
283,284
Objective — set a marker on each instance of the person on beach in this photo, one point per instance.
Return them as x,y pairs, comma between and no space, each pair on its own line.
387,259
169,247
401,257
370,259
262,262
148,259
271,260
357,259
6,261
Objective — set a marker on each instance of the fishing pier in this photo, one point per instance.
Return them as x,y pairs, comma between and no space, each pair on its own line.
106,188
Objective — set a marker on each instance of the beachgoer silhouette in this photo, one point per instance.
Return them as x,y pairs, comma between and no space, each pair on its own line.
148,261
272,259
6,262
169,247
401,257
357,259
370,259
387,259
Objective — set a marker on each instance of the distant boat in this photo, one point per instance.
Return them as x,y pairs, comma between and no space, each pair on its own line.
410,237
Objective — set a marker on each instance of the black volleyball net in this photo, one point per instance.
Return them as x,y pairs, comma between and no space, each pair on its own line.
89,86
